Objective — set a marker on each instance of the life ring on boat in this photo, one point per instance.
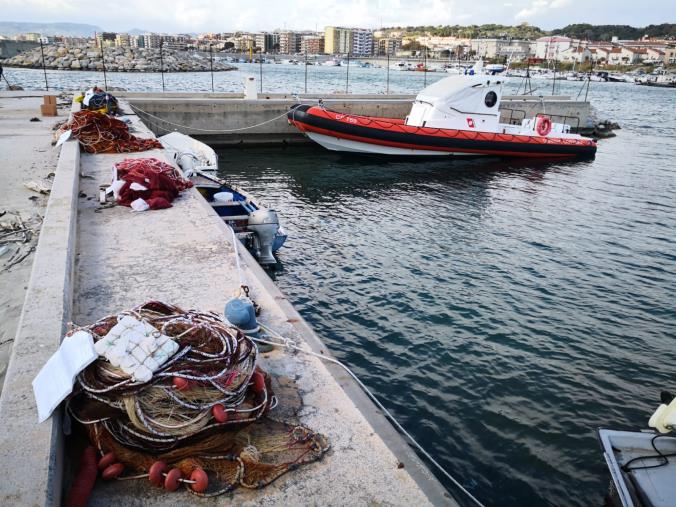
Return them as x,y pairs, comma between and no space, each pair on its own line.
543,125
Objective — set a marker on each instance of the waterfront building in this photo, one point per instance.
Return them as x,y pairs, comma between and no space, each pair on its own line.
312,44
289,43
344,41
576,54
122,40
362,42
389,46
633,55
105,39
331,39
136,41
151,40
243,42
337,40
547,48
267,42
654,55
74,42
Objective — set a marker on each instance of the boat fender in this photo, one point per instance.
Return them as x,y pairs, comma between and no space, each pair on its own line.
543,125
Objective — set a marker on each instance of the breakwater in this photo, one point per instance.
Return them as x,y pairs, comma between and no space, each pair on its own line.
115,60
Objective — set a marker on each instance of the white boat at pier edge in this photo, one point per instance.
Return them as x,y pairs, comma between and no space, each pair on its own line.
457,115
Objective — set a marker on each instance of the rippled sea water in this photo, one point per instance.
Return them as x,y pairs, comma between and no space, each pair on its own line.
503,310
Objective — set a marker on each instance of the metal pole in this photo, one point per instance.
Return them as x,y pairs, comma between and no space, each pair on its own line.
306,69
44,68
388,71
425,66
260,61
211,62
591,66
556,55
162,63
347,75
103,62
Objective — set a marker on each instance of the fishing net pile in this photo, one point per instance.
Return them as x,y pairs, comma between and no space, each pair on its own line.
155,182
185,405
99,133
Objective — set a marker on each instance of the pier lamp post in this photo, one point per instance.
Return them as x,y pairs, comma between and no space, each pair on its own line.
211,66
44,68
162,63
347,74
425,67
388,72
306,69
103,63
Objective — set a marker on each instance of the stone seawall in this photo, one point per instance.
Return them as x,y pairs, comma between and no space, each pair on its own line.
116,60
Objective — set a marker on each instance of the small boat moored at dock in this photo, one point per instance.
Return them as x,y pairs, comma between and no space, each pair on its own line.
639,462
458,115
256,226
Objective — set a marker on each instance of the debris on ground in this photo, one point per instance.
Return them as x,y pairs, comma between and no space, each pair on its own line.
18,238
37,186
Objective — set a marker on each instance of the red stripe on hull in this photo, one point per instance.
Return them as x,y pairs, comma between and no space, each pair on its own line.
304,127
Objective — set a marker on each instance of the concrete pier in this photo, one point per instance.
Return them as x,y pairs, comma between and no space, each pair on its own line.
89,264
226,118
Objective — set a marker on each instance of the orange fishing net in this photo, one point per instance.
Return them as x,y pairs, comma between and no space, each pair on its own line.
100,133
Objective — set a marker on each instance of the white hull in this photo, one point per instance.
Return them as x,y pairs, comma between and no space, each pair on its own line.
347,145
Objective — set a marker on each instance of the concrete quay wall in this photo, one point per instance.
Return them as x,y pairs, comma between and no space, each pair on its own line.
207,116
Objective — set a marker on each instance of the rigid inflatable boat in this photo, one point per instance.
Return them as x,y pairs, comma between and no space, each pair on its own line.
458,115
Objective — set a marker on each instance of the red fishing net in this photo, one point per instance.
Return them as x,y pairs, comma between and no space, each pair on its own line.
149,179
99,133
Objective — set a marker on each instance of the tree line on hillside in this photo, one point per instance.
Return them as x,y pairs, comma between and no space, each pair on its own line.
622,32
525,31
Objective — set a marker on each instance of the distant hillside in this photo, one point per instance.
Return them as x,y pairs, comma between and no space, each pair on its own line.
607,32
526,31
522,31
10,28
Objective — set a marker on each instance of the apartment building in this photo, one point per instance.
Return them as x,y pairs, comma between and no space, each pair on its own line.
362,42
312,44
389,46
289,43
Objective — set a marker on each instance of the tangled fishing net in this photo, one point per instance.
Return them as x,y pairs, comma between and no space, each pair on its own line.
150,179
99,133
199,418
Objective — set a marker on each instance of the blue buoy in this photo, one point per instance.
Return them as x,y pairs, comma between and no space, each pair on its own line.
240,313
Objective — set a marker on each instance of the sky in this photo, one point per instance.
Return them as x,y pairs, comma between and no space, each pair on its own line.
177,16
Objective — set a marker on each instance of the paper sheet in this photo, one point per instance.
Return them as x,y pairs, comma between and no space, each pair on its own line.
56,378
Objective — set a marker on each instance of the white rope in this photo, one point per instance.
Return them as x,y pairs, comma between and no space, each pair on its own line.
222,131
239,267
287,343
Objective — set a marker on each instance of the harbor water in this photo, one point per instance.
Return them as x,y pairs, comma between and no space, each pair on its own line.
503,310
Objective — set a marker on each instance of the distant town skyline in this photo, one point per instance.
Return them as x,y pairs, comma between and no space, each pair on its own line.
228,15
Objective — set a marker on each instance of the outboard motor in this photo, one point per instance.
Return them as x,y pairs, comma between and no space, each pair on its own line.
264,223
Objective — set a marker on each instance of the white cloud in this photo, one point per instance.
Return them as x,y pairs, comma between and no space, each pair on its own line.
538,7
227,15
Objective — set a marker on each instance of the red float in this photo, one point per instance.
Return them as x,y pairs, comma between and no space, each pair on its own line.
155,473
201,480
172,480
